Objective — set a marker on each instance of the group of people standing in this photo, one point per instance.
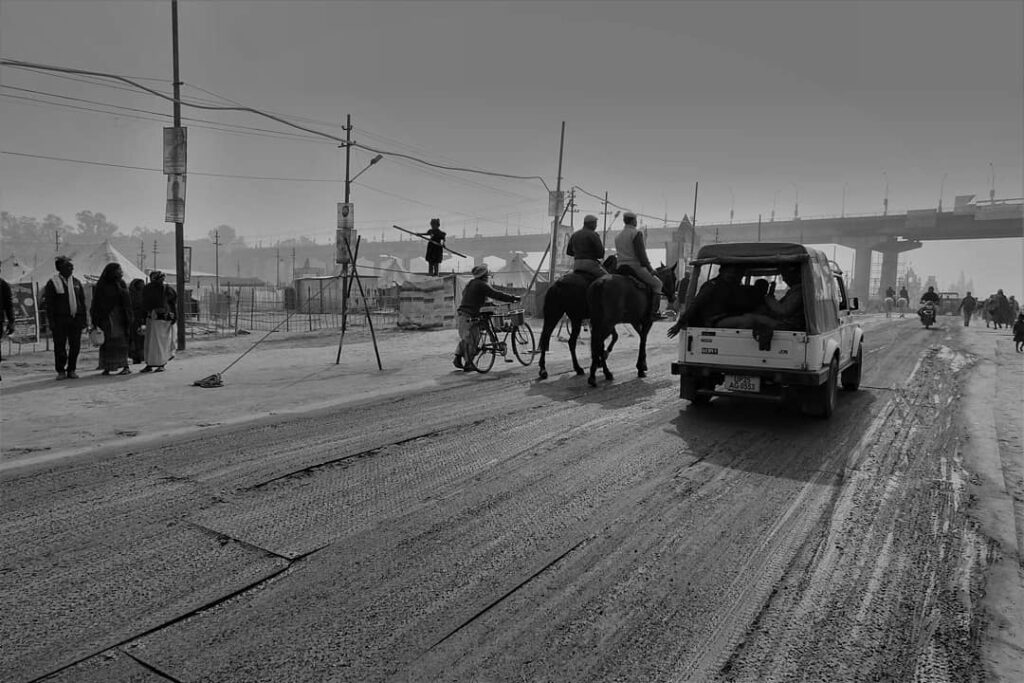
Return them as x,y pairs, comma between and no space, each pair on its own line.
131,323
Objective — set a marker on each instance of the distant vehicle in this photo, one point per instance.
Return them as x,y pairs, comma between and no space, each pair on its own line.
805,366
948,303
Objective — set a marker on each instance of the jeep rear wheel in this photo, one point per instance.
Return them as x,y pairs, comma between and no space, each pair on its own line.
822,401
851,375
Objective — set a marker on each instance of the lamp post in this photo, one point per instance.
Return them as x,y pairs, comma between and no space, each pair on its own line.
372,162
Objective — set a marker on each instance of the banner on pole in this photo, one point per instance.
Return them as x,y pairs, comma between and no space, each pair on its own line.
175,146
188,264
556,200
175,211
346,231
562,260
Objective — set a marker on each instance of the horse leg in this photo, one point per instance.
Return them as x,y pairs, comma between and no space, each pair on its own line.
641,359
607,352
574,336
596,352
545,340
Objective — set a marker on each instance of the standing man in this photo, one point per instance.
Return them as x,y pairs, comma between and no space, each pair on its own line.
435,247
905,296
586,249
631,250
967,305
64,300
160,305
6,311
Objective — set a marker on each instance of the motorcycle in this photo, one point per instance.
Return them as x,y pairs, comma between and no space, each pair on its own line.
927,315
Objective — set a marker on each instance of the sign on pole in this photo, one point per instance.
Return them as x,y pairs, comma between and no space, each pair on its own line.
188,264
175,145
175,211
346,231
556,200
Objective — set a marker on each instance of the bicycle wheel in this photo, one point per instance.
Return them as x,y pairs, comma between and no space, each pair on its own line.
485,353
523,344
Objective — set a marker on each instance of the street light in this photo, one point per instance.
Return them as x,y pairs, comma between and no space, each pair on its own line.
372,162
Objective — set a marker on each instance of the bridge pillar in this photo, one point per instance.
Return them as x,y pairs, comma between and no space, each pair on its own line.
888,276
861,272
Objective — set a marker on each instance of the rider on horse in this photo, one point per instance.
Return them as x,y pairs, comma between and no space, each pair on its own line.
631,250
587,249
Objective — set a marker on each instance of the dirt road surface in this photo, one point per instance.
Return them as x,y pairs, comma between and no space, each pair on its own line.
431,525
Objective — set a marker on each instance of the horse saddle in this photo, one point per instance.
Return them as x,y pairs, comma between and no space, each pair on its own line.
630,274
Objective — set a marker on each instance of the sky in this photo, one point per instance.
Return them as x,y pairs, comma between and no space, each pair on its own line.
827,105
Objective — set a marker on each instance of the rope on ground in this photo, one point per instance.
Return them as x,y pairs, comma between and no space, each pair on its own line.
217,380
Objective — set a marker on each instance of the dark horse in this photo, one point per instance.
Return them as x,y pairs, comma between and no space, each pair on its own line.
620,299
568,297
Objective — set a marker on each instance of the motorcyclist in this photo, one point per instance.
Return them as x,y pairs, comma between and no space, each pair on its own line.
929,305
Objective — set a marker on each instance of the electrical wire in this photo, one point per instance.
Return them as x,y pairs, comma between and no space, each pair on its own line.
47,67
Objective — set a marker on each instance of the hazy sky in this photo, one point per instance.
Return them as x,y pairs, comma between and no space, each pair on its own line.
761,102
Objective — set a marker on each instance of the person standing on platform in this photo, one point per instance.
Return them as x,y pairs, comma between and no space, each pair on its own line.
435,247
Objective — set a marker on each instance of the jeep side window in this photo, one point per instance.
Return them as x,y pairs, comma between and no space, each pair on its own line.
841,293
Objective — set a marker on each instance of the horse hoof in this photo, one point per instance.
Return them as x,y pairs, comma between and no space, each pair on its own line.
581,371
543,374
608,376
591,381
641,373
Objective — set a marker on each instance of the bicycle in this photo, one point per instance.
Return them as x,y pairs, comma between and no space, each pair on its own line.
512,324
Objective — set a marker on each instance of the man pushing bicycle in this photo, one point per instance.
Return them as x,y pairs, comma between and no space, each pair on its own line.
474,296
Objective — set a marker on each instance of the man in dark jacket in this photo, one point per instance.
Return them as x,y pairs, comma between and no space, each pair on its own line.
967,306
474,296
6,311
586,249
64,301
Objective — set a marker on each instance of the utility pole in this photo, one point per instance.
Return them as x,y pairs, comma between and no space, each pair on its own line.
293,263
142,254
348,249
693,240
758,227
179,228
572,209
553,245
56,241
216,261
154,254
278,264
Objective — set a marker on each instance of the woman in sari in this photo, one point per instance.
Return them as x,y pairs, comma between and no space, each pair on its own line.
159,301
111,311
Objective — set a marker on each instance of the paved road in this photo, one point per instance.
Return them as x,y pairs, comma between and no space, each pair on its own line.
512,530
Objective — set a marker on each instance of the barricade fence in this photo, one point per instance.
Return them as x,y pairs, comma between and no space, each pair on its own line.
307,308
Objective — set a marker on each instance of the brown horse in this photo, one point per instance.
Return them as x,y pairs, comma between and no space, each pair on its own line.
620,299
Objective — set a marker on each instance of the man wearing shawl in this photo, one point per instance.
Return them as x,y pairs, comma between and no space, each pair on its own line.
159,301
64,301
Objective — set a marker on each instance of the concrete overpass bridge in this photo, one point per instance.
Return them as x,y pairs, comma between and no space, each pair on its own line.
890,235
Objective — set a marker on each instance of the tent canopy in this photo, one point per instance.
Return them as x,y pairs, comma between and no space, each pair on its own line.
90,261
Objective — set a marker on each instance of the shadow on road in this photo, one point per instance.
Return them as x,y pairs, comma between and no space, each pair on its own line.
774,440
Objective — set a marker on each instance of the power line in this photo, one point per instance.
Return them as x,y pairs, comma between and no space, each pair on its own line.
47,67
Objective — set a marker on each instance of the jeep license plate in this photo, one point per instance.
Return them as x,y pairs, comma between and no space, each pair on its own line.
741,383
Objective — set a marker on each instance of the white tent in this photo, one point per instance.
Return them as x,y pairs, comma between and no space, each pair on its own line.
516,273
89,263
14,270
